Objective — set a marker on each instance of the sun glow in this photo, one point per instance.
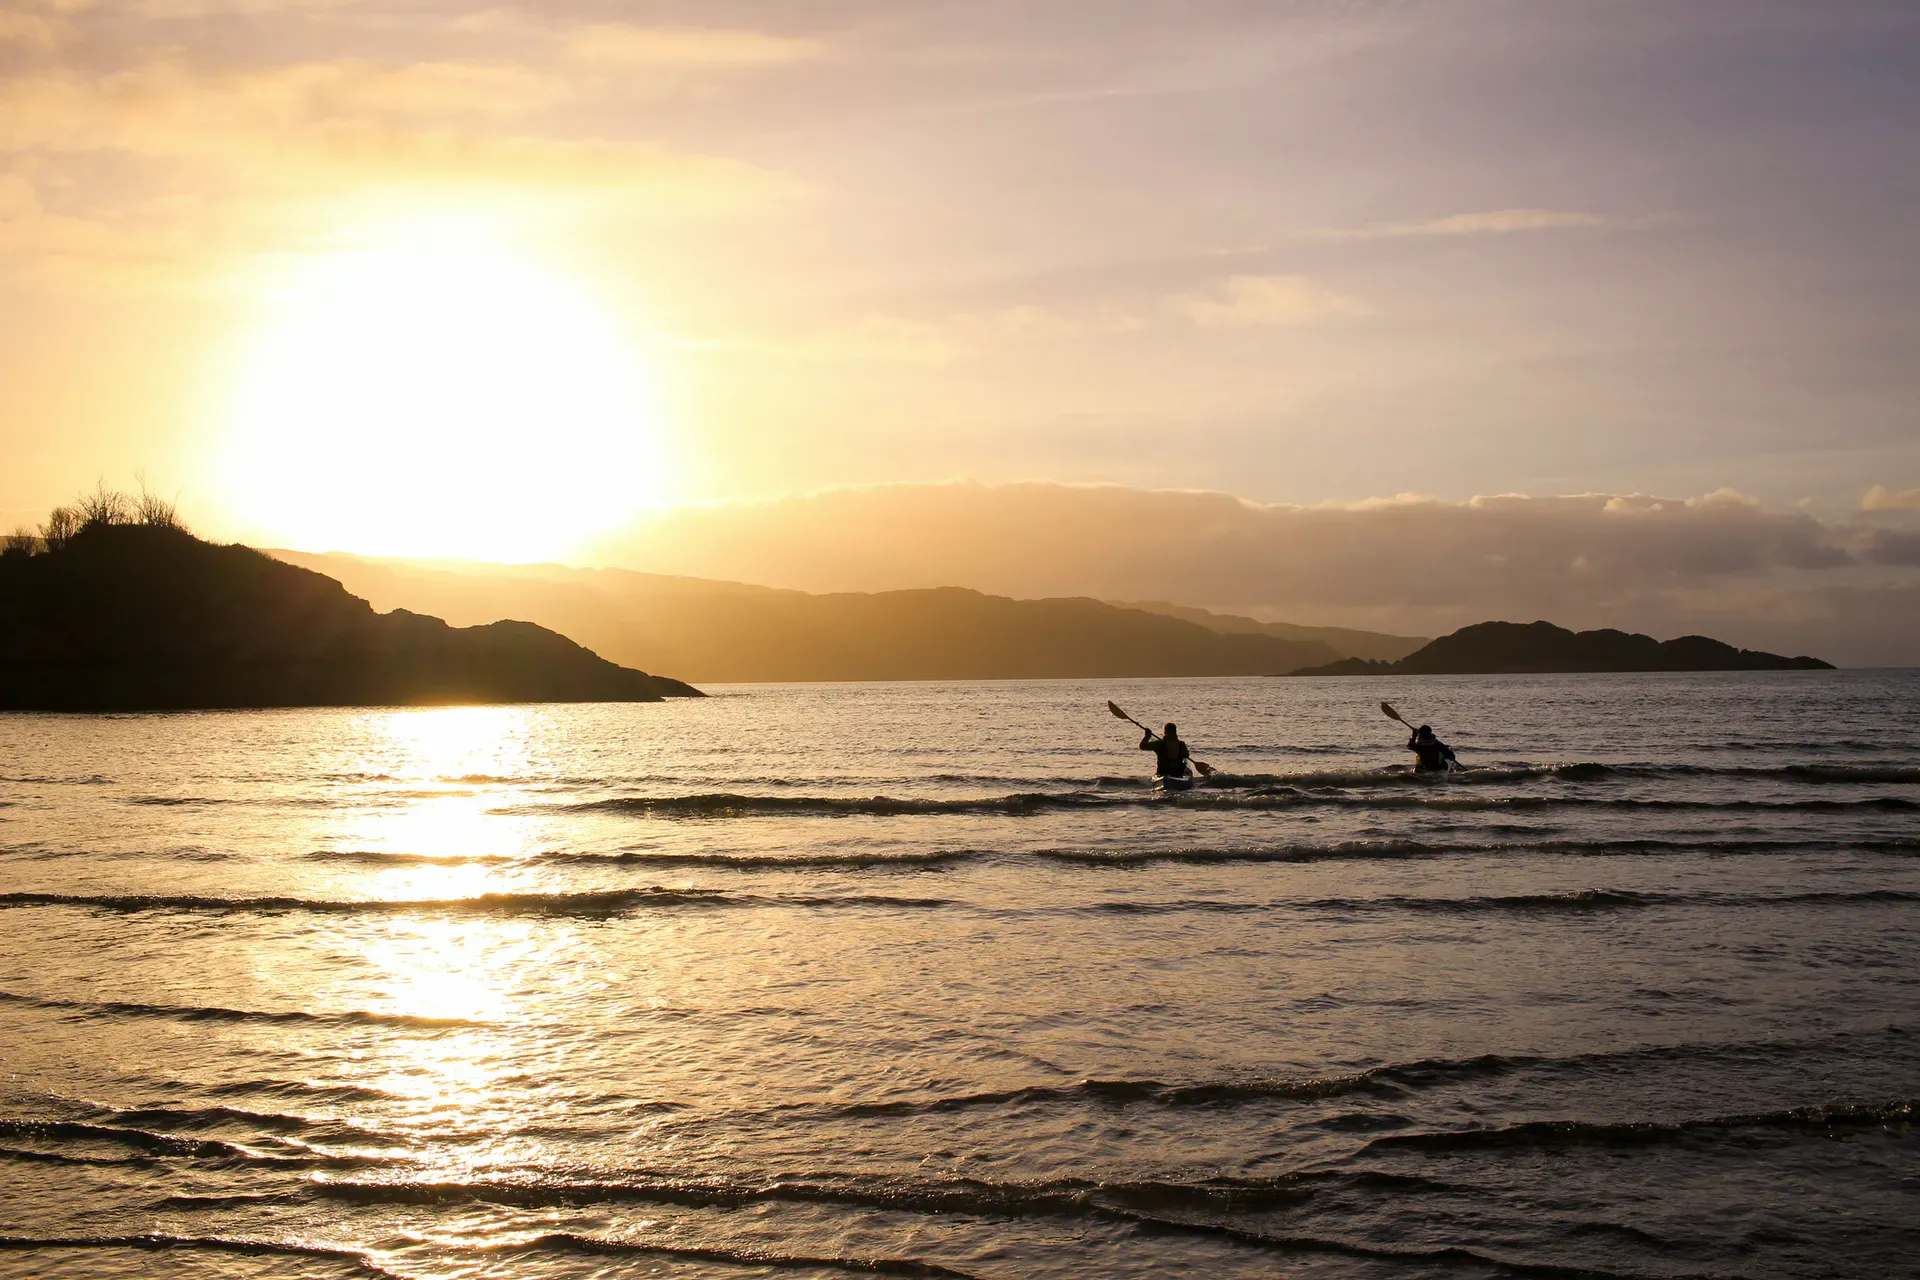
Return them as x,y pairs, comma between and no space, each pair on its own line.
440,393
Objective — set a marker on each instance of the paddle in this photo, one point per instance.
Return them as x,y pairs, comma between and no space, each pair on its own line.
1395,715
1206,770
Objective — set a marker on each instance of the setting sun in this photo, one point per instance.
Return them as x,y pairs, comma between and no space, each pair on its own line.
439,393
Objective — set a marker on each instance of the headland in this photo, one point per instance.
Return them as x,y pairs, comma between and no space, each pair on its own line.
120,615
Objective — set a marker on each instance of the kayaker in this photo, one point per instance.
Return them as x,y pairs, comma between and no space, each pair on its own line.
1170,753
1434,755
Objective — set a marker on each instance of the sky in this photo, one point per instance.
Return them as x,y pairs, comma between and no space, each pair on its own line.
503,282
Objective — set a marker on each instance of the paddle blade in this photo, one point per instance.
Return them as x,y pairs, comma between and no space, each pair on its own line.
1206,770
1385,706
1118,714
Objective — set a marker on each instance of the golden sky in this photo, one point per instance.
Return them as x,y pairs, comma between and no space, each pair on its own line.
483,280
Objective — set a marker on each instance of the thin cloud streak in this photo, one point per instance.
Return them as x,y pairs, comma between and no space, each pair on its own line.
627,47
1488,223
1247,301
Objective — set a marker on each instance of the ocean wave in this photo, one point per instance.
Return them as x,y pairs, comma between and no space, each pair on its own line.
20,1156
572,1242
150,1142
606,903
1551,1134
1391,1080
303,1089
233,1200
1844,773
40,780
1395,849
1354,850
215,1013
1566,771
1588,900
378,858
611,902
185,854
159,1241
1048,1198
564,1242
1387,1081
1159,1207
648,858
1395,776
178,1119
624,901
725,805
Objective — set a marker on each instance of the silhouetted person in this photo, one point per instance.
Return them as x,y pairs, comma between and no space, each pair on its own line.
1434,755
1170,753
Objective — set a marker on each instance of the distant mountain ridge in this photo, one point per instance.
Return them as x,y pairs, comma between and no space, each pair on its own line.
130,617
728,631
1346,641
1511,648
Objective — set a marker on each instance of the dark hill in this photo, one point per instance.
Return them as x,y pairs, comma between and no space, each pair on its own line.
129,617
1507,648
1345,641
728,631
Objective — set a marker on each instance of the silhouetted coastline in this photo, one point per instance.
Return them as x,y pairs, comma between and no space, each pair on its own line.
1538,648
119,613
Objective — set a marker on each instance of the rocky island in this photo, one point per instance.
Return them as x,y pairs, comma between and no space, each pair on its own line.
1513,648
113,613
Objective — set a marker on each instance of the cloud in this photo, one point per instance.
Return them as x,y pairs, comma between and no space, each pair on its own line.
127,147
30,231
908,340
1895,546
1881,498
31,32
1409,564
253,147
890,339
1489,222
168,110
621,46
1243,302
1500,222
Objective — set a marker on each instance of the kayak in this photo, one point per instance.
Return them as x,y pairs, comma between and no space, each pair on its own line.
1173,782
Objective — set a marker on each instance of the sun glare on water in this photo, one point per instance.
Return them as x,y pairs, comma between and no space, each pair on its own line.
439,394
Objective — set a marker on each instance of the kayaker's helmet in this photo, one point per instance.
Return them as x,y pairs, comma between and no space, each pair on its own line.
1170,732
1426,731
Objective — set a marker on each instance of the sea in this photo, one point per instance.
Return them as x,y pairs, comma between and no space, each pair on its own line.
924,979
